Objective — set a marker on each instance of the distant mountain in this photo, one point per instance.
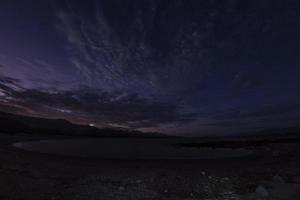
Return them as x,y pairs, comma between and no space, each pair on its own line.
13,124
287,131
274,133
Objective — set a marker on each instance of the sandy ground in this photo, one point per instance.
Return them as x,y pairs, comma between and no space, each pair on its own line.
274,173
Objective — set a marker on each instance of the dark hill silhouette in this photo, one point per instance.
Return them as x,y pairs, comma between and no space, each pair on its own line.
13,124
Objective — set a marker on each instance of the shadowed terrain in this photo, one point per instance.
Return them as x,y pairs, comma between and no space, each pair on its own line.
272,172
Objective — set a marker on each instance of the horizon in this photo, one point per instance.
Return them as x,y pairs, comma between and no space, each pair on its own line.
270,134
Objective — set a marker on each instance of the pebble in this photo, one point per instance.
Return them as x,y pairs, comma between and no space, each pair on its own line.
296,180
278,179
276,153
261,191
121,188
138,181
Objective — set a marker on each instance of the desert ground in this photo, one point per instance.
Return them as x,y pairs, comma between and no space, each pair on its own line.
273,172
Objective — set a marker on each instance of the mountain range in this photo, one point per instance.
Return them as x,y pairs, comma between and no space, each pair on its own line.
13,124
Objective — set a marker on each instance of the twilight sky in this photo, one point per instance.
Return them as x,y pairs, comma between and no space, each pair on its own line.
187,67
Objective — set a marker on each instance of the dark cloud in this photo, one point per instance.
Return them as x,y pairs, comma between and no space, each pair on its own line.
112,50
8,85
245,81
167,49
107,107
153,63
8,80
262,112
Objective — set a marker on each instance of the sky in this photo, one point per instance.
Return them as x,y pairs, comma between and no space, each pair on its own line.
180,67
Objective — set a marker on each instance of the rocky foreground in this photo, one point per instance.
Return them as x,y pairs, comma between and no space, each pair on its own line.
273,173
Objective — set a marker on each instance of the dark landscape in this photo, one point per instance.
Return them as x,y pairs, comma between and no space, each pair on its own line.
149,100
271,172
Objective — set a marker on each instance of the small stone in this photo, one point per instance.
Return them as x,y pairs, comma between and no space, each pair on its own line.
121,188
296,180
203,173
138,181
276,153
278,179
261,191
166,191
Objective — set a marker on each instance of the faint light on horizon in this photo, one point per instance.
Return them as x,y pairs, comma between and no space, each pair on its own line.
64,110
92,125
118,125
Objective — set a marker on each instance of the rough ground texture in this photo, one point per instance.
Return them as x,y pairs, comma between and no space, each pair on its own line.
273,174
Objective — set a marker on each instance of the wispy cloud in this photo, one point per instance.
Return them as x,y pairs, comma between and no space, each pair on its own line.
160,64
127,109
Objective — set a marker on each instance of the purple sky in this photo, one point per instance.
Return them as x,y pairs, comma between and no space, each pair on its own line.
178,67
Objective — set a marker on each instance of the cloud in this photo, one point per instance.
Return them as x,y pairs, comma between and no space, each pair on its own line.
8,85
157,63
259,112
247,80
105,107
38,73
8,80
143,57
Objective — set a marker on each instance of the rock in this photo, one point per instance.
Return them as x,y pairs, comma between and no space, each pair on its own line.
278,191
276,153
138,181
121,188
296,180
166,191
278,179
284,191
203,173
261,191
